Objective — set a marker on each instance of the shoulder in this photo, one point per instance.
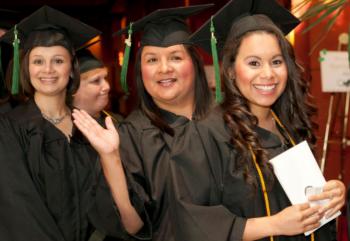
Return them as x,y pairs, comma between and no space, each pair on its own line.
138,120
213,124
25,113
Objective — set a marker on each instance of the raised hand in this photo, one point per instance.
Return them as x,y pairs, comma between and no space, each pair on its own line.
334,190
104,140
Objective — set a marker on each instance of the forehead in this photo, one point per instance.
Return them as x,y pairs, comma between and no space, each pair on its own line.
259,42
98,72
163,50
48,51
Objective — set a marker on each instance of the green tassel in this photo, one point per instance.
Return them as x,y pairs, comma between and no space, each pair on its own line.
124,70
15,70
214,53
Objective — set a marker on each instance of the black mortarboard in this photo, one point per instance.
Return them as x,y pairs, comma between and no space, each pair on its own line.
212,35
87,61
161,28
47,18
165,27
235,10
44,20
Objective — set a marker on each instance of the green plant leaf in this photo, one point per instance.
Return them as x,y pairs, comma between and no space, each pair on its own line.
313,11
300,6
333,19
322,17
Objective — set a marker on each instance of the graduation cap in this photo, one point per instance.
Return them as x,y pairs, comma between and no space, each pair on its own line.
161,28
212,34
45,19
87,61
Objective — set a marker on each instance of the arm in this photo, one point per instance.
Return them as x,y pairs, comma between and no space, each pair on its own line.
106,143
292,220
198,168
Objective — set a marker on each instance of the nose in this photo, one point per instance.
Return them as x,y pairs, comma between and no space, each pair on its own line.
267,71
105,86
165,66
48,67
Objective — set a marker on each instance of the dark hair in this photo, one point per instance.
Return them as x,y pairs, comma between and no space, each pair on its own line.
202,93
292,107
49,38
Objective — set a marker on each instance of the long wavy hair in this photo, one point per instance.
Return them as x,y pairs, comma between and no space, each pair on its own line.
202,92
293,107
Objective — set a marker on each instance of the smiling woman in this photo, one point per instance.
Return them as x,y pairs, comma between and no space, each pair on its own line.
173,90
58,191
168,75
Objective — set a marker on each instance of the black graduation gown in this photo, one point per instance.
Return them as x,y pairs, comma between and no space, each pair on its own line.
145,151
222,213
50,189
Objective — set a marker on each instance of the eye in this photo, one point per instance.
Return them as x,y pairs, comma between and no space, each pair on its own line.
58,61
38,61
151,60
95,81
277,62
176,58
254,63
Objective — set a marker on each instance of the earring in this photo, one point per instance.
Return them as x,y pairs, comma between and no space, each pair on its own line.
71,75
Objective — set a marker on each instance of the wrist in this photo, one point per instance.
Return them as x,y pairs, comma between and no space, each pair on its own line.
273,225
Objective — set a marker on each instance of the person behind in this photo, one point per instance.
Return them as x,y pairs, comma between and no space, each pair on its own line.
51,188
266,110
93,92
173,90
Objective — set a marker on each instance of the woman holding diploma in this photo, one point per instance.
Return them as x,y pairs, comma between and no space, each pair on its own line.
266,111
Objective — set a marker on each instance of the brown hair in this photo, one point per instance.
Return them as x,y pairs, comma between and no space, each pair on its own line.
292,107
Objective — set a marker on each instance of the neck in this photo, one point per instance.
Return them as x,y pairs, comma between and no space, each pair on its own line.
265,118
52,106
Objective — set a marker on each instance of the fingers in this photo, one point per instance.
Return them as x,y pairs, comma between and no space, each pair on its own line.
334,191
86,124
110,124
310,217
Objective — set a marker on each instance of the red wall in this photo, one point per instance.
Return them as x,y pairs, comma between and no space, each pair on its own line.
336,159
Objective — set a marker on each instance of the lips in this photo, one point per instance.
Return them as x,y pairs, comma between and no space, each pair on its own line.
265,87
166,82
48,79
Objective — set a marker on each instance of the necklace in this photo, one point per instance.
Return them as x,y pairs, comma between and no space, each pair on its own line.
54,121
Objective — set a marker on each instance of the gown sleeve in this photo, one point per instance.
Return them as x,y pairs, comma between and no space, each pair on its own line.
24,216
105,215
197,173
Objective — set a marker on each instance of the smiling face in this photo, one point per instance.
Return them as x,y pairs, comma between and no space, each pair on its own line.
260,71
92,95
49,70
168,75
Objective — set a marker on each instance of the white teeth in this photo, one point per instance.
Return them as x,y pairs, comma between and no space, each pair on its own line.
265,87
48,79
166,80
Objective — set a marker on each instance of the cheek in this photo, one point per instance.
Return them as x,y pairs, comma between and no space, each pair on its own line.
147,74
66,71
187,73
32,70
242,77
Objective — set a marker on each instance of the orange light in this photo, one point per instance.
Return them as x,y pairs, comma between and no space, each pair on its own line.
120,58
